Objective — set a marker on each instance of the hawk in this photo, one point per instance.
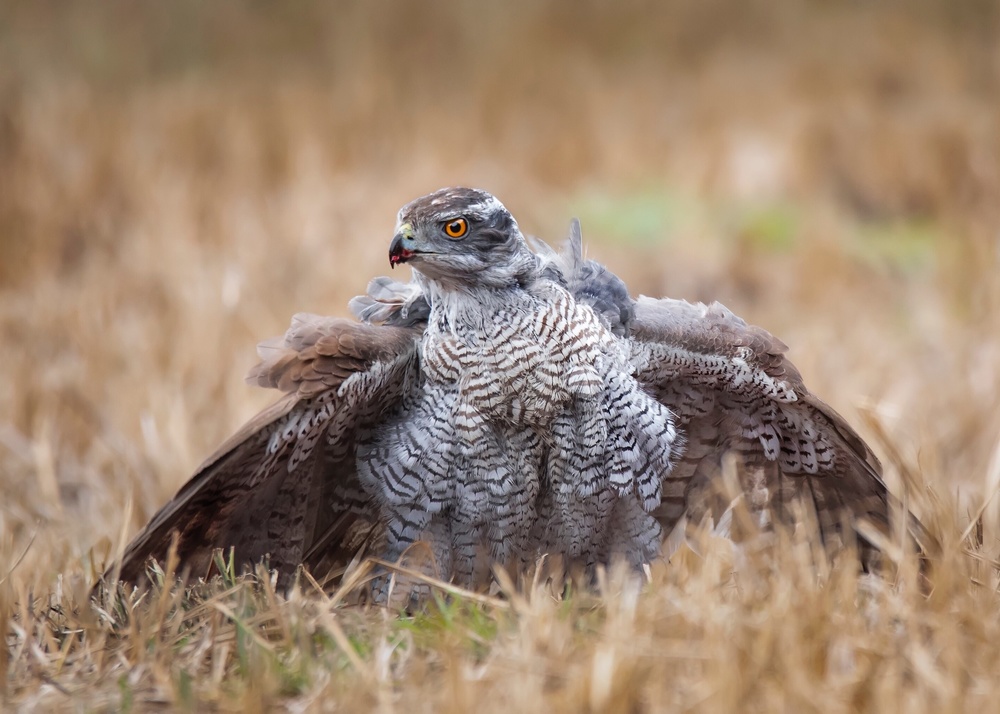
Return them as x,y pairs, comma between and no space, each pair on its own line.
509,401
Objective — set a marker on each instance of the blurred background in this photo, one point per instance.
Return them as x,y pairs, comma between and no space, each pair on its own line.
176,179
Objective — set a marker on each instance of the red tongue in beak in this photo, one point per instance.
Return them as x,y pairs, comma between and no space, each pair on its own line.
399,257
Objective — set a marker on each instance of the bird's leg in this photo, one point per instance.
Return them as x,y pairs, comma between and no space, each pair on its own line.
465,537
404,525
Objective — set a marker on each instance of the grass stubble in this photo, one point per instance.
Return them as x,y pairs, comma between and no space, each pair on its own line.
155,225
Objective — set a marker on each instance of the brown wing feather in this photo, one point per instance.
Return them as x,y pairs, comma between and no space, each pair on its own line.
284,486
734,392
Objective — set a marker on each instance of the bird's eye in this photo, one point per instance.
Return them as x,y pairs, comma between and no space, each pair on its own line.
456,228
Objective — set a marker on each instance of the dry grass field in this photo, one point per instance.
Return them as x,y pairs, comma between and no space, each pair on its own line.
177,179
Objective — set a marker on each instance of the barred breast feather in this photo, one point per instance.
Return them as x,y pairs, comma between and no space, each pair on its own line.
520,393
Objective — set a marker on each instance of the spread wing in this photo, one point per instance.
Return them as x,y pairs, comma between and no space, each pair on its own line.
733,391
285,487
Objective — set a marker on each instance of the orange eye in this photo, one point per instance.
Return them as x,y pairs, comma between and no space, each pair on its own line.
456,228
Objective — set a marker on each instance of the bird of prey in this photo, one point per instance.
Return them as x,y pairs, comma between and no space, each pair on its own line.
507,402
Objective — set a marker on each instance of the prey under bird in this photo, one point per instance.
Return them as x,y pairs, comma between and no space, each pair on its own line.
507,402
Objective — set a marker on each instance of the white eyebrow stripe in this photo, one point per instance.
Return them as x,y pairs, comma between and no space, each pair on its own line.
486,207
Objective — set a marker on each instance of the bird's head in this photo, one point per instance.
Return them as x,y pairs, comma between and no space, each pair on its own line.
461,237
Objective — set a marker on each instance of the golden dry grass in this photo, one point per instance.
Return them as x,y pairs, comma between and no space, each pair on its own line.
176,182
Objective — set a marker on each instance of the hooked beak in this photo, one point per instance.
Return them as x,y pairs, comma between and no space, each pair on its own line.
400,250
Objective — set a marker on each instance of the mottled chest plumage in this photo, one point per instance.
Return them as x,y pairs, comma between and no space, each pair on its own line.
520,388
519,361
